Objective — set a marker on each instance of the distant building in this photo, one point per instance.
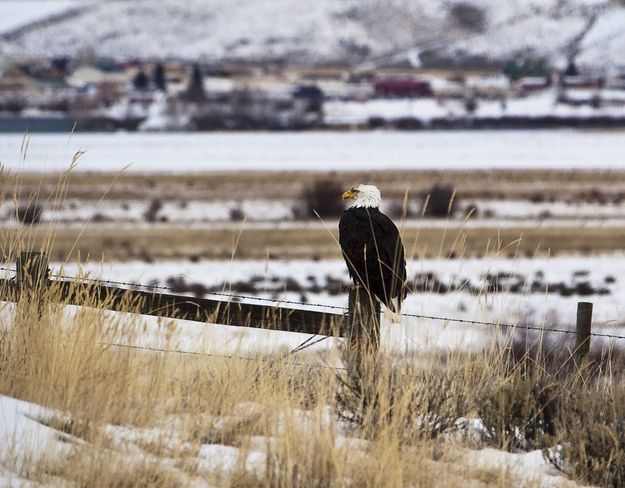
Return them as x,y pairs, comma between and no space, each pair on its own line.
581,82
530,84
92,75
310,97
402,88
14,78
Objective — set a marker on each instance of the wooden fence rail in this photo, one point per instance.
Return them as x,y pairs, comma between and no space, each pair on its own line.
33,274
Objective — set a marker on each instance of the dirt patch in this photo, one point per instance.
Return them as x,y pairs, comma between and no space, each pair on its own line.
546,185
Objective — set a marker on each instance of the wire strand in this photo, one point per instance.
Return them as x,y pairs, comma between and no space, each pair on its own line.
206,354
506,326
223,294
307,343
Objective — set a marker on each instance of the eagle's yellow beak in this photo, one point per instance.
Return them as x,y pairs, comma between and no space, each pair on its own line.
349,195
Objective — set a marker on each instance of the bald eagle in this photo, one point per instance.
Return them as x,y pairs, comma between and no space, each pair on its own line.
372,248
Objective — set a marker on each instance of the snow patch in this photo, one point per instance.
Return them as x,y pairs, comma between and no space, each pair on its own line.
320,151
25,438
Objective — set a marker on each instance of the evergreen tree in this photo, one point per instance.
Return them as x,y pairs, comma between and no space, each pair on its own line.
140,81
512,70
541,69
159,78
195,91
571,69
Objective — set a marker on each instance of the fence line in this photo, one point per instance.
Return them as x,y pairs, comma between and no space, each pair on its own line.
169,288
338,307
305,344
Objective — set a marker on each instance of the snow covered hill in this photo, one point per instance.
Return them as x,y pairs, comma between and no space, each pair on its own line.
359,32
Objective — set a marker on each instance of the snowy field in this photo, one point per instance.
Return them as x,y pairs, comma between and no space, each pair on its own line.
282,214
322,151
543,104
539,292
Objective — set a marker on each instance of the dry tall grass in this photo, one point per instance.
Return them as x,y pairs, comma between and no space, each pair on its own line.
482,184
175,242
143,418
151,419
160,419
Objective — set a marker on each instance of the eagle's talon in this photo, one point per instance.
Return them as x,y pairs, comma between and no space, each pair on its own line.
392,317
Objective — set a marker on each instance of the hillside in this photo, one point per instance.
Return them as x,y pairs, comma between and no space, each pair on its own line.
362,33
17,15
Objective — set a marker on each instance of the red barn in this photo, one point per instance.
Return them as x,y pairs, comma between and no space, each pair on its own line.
402,88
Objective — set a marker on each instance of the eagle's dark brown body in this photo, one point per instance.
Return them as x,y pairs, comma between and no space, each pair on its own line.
374,254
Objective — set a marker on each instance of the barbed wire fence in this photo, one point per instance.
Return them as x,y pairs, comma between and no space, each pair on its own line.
313,339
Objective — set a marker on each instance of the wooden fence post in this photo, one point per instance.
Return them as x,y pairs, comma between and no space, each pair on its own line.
363,323
32,274
583,331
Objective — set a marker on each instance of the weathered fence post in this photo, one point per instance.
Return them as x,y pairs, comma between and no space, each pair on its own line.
583,331
363,323
32,274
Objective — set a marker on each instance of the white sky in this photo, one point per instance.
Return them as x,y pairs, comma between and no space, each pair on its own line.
16,13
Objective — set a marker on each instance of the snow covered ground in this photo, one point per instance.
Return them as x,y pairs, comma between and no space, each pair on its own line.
318,151
543,104
314,279
257,213
27,438
28,432
178,211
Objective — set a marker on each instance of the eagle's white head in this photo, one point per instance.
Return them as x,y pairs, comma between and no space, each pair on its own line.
366,196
